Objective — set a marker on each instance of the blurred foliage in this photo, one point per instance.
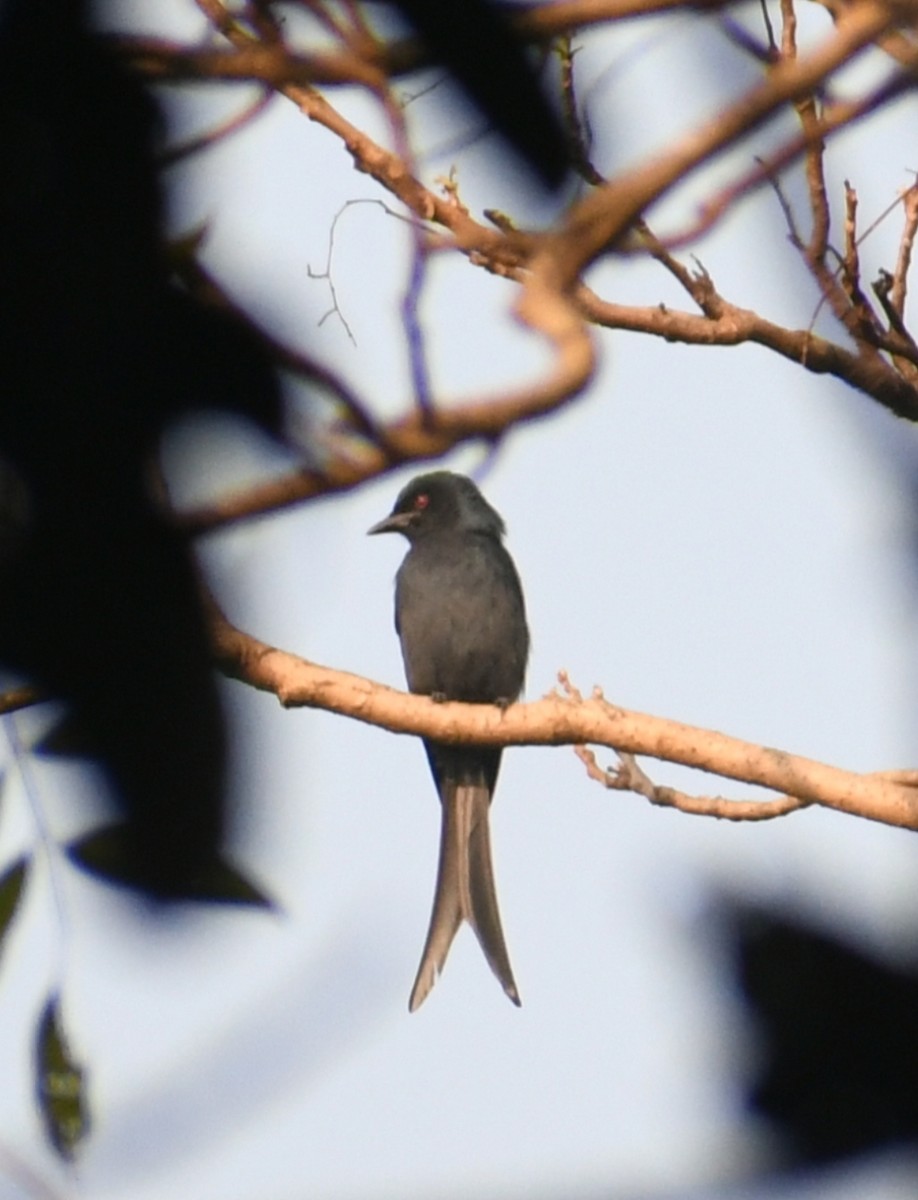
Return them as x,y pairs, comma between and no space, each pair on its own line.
61,1085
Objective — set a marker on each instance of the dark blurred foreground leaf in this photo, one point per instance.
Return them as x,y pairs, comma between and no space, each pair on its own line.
100,604
63,740
60,1085
839,1057
12,882
476,42
105,854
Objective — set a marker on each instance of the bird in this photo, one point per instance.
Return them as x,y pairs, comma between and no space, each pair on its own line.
461,619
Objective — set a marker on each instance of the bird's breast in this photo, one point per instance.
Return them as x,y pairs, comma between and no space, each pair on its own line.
462,622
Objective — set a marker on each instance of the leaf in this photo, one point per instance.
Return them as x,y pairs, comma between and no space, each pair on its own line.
12,882
187,245
60,1085
224,883
105,853
63,740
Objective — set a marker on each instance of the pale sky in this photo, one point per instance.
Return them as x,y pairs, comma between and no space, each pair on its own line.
710,535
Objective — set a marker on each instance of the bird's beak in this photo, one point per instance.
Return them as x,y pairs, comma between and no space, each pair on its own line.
394,523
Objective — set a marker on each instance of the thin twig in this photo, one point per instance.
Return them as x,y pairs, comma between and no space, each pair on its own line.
418,366
328,277
205,287
575,124
899,290
842,115
629,777
598,221
45,843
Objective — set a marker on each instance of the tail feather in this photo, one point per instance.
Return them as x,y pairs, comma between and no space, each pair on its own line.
447,912
464,891
484,915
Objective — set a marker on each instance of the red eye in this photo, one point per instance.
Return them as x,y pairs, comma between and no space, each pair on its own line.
421,501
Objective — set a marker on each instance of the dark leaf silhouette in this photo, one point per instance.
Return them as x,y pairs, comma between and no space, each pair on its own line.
63,740
99,601
105,853
12,883
475,41
839,1062
61,1085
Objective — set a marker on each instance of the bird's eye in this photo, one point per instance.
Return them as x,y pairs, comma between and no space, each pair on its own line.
421,501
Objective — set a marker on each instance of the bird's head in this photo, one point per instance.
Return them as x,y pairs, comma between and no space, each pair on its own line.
440,501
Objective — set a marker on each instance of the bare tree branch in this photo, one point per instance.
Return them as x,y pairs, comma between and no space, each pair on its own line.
558,720
418,436
899,289
734,325
599,220
547,265
842,115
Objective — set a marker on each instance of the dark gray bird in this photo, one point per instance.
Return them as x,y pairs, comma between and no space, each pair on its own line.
460,615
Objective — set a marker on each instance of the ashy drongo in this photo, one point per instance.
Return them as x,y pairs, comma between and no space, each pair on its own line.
460,615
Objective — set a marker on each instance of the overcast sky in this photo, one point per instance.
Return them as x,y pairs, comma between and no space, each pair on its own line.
710,535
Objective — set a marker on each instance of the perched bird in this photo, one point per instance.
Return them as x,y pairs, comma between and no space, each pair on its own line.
460,615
